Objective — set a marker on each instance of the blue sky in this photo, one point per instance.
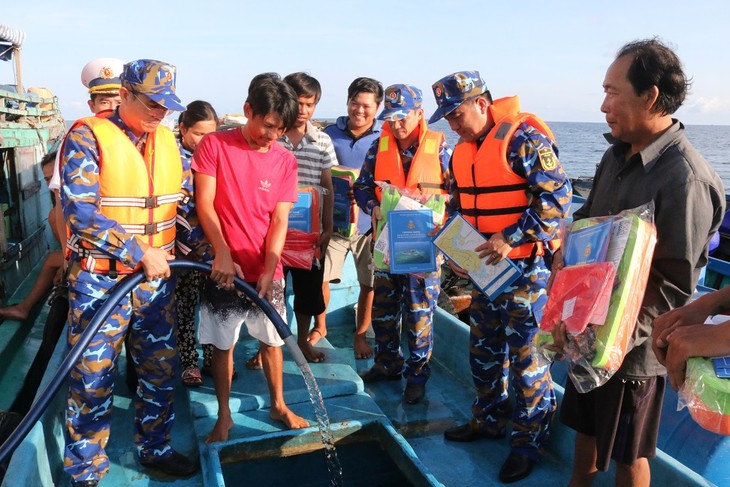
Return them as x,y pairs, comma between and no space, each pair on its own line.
553,54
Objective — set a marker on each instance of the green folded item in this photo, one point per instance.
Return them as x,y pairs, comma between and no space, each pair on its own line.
713,391
614,336
390,198
630,248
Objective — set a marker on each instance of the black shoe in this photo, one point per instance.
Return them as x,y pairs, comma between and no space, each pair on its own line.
414,393
175,464
85,483
374,375
516,467
466,432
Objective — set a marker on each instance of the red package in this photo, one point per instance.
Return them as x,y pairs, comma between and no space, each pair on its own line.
299,249
580,294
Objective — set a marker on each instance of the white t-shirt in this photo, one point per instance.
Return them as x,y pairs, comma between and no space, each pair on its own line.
55,183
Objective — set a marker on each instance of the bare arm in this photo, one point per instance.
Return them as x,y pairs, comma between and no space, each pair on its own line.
223,267
694,313
694,341
58,224
275,238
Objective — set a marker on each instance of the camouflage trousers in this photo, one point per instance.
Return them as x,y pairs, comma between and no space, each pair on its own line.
148,315
501,341
410,299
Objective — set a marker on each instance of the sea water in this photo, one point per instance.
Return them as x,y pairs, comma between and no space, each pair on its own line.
581,145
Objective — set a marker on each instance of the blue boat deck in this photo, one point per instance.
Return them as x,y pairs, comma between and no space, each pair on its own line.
413,433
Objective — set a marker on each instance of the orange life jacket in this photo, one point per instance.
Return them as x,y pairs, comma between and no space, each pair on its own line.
491,195
425,172
139,192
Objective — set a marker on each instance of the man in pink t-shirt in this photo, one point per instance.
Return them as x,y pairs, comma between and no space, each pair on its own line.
245,185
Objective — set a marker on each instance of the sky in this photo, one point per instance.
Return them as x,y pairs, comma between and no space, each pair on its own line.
554,55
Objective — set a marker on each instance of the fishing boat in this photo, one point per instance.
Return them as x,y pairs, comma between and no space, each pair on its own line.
30,125
377,438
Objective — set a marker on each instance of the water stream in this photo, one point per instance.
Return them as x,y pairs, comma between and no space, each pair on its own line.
323,420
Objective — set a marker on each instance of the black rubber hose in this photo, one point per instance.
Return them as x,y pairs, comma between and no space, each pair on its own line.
115,295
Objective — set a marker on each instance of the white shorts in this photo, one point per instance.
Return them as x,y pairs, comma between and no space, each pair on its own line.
222,313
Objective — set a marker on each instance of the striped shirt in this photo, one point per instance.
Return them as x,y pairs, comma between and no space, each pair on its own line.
314,154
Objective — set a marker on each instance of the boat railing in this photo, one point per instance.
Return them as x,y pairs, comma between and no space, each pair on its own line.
38,107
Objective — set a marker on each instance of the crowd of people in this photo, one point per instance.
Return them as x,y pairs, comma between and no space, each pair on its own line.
131,191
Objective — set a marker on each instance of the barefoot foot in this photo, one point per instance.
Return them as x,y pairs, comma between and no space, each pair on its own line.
316,335
309,352
14,312
362,349
220,430
287,416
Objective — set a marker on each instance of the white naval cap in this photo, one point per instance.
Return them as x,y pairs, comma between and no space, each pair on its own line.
101,76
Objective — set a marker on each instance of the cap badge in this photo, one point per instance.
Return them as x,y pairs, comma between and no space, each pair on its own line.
106,73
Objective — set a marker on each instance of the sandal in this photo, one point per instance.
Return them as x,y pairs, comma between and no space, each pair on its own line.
191,377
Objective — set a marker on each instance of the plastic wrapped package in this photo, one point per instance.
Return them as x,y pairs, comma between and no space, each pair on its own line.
305,223
706,389
345,208
299,249
706,396
306,214
597,352
395,198
580,294
633,238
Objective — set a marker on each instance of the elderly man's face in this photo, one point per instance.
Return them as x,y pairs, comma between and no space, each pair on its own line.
627,113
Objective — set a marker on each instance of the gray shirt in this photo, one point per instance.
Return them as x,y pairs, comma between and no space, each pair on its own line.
689,204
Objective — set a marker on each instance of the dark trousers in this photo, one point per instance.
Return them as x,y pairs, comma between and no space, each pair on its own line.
55,324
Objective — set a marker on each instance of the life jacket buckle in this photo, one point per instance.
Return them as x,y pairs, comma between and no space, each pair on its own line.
149,228
150,202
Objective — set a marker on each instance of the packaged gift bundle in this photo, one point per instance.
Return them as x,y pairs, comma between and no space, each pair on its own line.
706,389
303,232
395,198
345,211
598,294
706,395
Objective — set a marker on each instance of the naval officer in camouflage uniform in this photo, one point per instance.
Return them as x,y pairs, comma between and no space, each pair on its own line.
406,150
508,182
102,250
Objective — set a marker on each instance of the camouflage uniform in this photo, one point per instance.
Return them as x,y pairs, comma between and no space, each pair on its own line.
416,297
147,314
503,331
393,291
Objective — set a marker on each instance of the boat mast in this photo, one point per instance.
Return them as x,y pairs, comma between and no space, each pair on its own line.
15,38
18,71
